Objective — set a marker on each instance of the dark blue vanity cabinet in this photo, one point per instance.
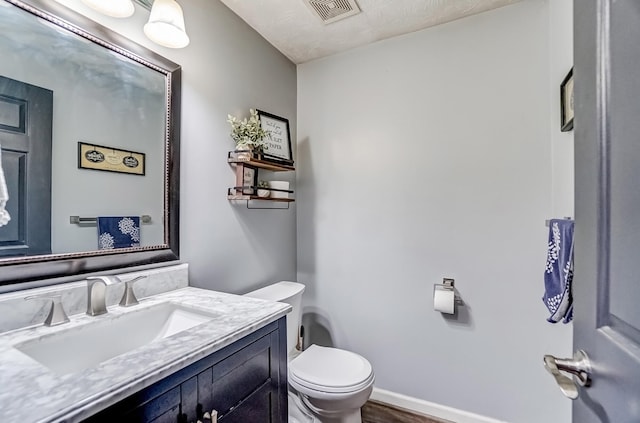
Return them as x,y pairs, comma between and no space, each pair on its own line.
245,382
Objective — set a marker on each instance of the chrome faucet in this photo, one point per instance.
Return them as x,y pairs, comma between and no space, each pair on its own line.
96,294
97,290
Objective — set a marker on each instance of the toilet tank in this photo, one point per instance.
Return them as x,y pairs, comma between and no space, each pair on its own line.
285,292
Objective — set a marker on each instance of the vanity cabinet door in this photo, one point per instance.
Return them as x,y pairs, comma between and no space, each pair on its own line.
189,401
232,382
254,409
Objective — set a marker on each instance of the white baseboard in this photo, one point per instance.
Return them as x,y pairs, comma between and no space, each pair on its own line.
419,406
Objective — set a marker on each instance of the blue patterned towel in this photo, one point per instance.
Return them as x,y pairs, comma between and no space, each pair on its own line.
558,275
118,232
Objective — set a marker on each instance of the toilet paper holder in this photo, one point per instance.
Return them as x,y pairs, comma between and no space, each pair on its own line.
449,285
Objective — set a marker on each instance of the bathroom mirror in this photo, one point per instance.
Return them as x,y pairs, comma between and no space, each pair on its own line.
111,142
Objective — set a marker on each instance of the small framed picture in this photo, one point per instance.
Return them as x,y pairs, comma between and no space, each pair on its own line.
99,157
566,103
279,139
249,180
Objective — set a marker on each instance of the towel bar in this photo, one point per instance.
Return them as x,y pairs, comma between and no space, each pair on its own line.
546,222
77,220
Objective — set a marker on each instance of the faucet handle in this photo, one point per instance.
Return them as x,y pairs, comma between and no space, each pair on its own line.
56,316
129,297
108,280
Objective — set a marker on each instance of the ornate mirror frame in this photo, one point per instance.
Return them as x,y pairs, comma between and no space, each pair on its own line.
27,269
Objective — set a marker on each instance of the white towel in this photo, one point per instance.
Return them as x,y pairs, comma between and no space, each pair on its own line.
4,196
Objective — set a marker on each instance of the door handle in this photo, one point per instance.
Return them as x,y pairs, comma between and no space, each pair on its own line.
579,367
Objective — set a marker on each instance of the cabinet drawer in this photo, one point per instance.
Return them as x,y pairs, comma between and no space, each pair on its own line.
236,377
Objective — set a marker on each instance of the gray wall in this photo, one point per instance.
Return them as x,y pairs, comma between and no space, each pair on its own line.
427,156
227,68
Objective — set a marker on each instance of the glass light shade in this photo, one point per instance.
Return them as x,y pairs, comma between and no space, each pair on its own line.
114,8
166,24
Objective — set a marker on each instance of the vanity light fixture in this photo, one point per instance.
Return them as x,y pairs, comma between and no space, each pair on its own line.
166,24
114,8
166,20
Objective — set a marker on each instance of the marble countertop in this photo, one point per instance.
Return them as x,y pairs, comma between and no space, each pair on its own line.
30,392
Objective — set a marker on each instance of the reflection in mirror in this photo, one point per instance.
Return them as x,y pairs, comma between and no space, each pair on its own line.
88,129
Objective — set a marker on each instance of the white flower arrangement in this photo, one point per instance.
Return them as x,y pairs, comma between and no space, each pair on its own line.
248,133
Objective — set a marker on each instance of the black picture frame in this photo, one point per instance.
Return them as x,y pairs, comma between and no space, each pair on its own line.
279,140
249,180
93,156
566,103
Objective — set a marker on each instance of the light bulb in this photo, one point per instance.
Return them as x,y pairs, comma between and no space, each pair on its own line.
114,8
166,24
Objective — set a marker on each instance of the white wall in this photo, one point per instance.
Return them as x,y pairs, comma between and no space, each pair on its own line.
227,68
430,156
561,49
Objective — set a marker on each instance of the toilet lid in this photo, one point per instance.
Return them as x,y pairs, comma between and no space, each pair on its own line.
331,370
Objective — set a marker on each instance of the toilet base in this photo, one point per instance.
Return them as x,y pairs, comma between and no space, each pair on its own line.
298,412
343,416
349,418
303,409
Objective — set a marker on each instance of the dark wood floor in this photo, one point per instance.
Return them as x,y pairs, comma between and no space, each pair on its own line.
376,412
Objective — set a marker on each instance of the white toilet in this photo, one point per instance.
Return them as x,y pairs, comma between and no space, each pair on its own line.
326,385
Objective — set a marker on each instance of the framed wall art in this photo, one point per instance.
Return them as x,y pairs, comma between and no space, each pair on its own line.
566,103
99,157
279,139
249,179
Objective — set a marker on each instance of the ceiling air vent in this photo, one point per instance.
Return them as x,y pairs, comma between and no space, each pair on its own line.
333,10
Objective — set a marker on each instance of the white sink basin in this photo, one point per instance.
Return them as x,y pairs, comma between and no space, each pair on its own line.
80,348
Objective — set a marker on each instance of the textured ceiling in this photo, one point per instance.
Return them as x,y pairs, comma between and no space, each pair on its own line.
298,33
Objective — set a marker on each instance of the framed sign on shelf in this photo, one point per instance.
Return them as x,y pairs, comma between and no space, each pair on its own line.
279,139
247,180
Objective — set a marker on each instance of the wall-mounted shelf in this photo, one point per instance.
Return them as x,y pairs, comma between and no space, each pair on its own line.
246,160
244,197
250,198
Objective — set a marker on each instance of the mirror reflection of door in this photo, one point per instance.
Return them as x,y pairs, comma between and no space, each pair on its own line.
25,139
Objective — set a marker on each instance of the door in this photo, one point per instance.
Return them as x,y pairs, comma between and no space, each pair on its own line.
607,233
25,140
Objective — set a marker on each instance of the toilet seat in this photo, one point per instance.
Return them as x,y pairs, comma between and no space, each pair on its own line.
330,370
